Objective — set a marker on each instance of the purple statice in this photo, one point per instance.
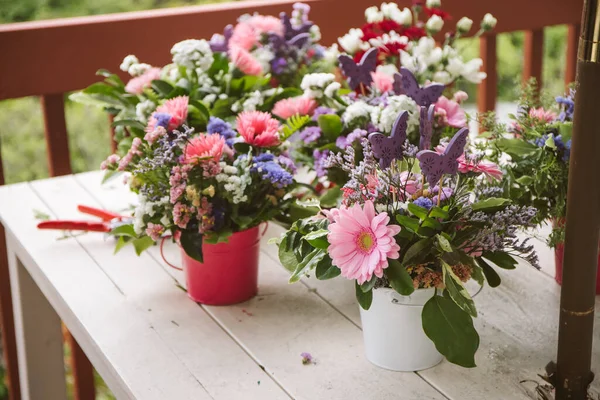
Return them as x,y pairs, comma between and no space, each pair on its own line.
321,110
307,358
162,119
217,125
341,142
310,134
287,163
300,14
278,65
264,157
424,202
270,170
220,43
320,157
167,153
355,136
446,193
567,105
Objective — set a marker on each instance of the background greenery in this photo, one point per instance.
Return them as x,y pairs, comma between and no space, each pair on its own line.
21,126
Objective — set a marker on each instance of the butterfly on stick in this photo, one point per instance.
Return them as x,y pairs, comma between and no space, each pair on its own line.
406,83
435,165
360,73
426,127
387,149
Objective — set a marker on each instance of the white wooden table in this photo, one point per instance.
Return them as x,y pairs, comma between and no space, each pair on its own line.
149,341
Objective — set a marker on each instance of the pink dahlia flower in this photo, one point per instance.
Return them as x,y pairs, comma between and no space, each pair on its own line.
204,148
382,81
243,36
360,242
294,106
244,61
451,111
266,24
542,115
138,84
177,108
258,128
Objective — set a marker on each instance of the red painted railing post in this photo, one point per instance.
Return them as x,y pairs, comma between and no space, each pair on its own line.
534,56
55,129
572,44
487,91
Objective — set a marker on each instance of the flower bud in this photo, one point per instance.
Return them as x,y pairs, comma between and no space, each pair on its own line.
433,3
464,25
489,22
434,24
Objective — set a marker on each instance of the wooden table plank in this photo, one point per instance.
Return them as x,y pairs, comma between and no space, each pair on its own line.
286,320
210,354
94,309
518,325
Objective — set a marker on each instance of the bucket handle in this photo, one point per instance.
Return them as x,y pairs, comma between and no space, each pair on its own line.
162,244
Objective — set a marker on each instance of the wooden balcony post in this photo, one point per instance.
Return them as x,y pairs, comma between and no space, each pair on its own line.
572,43
7,322
55,129
534,56
487,91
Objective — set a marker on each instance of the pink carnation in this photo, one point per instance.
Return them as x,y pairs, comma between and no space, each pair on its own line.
204,148
451,112
360,242
382,81
244,61
266,24
177,108
258,128
294,106
138,84
243,36
542,115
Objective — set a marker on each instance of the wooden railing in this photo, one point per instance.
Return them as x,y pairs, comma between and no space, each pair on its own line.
50,58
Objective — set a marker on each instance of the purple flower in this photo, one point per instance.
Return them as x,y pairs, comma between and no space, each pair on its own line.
264,157
341,142
162,119
271,171
567,153
220,43
320,158
310,134
424,202
355,136
306,358
322,111
287,163
217,125
446,193
278,65
567,104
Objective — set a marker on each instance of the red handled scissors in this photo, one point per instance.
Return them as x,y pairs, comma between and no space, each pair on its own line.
109,221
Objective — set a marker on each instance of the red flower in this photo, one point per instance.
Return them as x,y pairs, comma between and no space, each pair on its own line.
439,12
374,30
391,49
413,32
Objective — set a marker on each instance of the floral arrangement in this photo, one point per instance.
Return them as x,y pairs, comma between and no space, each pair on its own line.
249,67
411,219
534,151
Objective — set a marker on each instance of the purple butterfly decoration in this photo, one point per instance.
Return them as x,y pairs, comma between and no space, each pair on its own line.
361,72
426,130
434,165
220,44
290,31
390,148
406,83
298,41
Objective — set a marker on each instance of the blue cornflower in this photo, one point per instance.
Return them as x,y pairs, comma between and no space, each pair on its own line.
273,172
217,125
162,119
424,202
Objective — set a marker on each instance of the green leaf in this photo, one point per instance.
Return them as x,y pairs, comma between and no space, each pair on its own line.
318,239
202,108
124,230
122,242
192,245
364,299
286,254
525,180
292,125
399,278
161,87
222,108
241,147
331,126
431,223
444,243
417,211
331,197
326,270
309,203
457,291
369,285
477,271
490,275
308,263
417,251
501,259
516,147
129,122
491,204
410,223
141,244
437,212
218,237
451,330
550,142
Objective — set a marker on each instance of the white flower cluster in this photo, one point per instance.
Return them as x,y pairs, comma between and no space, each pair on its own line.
264,57
389,11
314,85
358,109
352,41
236,179
144,109
193,54
392,37
383,117
442,65
132,66
146,207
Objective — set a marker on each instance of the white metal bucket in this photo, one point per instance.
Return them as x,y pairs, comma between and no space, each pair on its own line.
393,331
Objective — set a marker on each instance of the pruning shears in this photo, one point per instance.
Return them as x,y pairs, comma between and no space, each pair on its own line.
109,221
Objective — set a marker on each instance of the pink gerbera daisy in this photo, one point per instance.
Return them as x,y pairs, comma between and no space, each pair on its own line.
360,242
244,36
294,106
258,128
204,148
244,61
177,108
138,84
266,24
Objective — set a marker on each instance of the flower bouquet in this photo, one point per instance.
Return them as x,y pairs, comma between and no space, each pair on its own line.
412,230
535,149
210,191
